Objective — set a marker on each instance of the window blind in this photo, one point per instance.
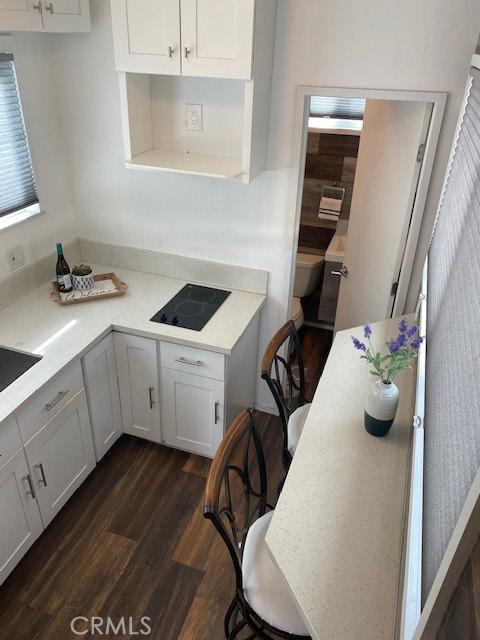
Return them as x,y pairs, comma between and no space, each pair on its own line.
17,184
343,108
452,414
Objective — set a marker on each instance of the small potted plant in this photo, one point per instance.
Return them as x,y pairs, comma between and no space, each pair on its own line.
382,399
82,277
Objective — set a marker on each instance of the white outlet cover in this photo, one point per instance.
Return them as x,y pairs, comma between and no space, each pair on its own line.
15,257
195,117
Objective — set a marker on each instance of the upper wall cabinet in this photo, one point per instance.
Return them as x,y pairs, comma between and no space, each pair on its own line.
45,15
212,38
195,79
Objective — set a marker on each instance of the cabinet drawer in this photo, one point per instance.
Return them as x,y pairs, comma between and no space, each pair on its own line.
190,360
50,400
10,441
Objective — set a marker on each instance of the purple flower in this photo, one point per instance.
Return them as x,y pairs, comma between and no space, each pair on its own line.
412,331
393,346
403,326
358,345
401,340
417,342
367,330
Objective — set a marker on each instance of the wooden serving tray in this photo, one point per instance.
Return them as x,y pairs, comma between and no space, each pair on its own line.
107,285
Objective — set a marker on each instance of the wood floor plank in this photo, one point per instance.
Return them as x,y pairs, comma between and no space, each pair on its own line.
20,622
197,465
175,506
171,600
194,548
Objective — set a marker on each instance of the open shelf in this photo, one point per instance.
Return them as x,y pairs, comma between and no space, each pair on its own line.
185,162
231,144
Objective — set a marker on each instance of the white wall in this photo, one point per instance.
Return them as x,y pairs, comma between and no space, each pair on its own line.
35,76
376,44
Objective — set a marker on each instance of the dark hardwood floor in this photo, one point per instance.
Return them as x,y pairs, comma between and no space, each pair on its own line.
132,541
316,345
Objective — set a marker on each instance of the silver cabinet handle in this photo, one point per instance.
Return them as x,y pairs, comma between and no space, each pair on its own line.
37,6
49,7
30,491
42,479
343,272
60,395
171,51
195,363
217,406
150,396
187,51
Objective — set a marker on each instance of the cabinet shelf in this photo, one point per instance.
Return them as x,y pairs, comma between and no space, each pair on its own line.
191,163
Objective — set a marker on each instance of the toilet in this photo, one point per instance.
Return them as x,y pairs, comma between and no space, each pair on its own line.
307,274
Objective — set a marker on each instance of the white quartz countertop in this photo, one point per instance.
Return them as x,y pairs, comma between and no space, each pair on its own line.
62,333
337,531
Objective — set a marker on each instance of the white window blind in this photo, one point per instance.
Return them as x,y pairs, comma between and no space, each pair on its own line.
17,184
343,108
452,416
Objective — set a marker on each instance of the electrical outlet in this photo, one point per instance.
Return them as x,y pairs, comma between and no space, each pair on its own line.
195,117
15,258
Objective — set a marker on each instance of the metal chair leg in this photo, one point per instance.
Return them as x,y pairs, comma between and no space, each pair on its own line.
228,617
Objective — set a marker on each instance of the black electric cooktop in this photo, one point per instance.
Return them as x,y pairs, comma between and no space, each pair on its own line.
13,364
192,307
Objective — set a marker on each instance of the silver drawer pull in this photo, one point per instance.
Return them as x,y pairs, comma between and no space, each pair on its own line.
195,363
150,397
217,406
60,395
42,479
30,491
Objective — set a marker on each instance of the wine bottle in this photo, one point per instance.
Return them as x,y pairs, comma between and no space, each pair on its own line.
64,279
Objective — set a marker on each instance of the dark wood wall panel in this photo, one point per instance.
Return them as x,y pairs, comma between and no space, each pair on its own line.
331,161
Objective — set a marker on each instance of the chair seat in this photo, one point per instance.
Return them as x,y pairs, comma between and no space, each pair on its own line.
263,585
296,423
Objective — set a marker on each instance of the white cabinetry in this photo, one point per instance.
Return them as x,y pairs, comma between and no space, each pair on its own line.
61,456
212,38
103,397
217,38
137,367
213,53
192,400
45,15
20,522
20,15
146,36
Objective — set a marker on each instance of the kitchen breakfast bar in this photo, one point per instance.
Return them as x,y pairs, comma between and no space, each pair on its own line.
339,529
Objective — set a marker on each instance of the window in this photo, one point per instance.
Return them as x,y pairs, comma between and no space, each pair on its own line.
17,183
340,108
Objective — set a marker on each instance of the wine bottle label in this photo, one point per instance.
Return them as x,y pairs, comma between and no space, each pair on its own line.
64,282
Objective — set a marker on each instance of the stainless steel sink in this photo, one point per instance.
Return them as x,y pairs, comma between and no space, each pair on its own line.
13,364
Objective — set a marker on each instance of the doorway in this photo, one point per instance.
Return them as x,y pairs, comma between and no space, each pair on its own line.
365,159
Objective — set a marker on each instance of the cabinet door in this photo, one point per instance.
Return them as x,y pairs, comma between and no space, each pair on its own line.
217,38
61,456
146,36
192,411
20,522
103,397
330,289
67,16
138,380
20,15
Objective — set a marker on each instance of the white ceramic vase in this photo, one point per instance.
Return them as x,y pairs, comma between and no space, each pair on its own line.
381,407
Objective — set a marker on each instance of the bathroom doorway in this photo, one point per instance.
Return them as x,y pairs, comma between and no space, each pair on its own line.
365,160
